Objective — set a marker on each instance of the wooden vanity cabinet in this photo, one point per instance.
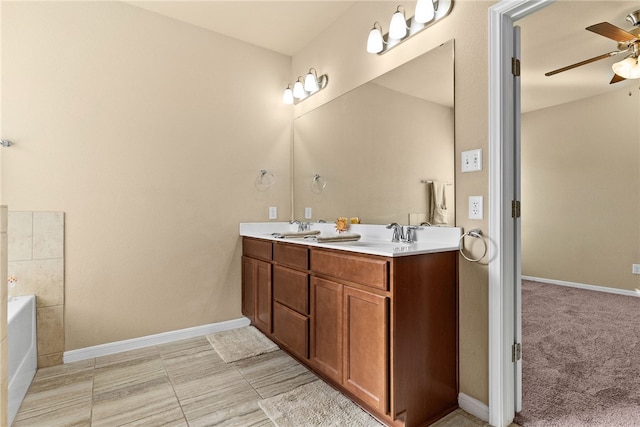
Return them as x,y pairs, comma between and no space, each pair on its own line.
383,330
256,283
291,297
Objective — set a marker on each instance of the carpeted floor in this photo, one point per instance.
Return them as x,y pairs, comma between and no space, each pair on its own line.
581,357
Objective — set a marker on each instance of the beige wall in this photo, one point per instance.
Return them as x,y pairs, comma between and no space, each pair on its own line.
341,54
581,191
148,133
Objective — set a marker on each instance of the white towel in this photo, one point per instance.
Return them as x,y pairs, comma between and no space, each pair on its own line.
438,211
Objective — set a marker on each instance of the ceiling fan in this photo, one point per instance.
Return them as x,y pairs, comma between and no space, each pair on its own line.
628,42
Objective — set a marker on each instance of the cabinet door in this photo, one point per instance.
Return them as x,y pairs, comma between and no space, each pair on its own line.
291,329
263,302
366,361
248,289
326,327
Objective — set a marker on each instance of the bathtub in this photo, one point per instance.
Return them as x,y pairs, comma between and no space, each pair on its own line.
23,359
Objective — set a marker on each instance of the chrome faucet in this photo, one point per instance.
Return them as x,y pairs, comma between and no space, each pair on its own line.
398,232
302,226
411,233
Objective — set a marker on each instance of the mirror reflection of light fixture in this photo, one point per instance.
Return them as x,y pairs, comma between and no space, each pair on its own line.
428,12
298,89
303,88
287,96
311,81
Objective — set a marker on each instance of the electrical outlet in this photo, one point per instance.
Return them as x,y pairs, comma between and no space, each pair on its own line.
475,207
472,160
307,213
273,212
636,269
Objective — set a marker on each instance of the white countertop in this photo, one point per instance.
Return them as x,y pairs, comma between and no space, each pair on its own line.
375,240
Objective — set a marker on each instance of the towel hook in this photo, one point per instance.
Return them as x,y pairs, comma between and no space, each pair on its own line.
5,143
475,233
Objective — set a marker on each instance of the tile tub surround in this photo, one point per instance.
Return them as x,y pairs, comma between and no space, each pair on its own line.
180,383
375,239
36,260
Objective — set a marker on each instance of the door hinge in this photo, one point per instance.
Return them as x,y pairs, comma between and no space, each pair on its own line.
515,67
515,209
516,352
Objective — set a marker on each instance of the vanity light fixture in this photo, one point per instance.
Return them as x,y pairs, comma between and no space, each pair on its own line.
303,88
428,12
425,11
398,25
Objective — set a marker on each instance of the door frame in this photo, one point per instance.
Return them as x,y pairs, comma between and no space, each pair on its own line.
502,171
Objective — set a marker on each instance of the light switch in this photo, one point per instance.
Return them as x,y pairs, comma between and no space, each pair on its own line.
472,160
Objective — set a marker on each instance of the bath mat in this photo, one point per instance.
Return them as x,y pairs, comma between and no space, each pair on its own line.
315,404
241,343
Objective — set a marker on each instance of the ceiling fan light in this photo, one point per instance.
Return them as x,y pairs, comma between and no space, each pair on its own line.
627,68
398,25
374,42
425,11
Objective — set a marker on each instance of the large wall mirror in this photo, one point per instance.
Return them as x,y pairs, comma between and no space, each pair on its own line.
375,151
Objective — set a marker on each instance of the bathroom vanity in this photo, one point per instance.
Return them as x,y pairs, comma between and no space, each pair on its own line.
377,320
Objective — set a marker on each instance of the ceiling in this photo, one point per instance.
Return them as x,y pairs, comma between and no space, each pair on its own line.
282,26
551,38
555,37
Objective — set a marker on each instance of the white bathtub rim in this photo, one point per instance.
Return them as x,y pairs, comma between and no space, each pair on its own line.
20,379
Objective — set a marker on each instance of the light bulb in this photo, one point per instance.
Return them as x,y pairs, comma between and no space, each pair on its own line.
311,82
374,42
298,90
425,11
287,96
627,68
398,25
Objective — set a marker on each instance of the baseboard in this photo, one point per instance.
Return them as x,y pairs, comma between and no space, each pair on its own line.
584,286
473,406
165,337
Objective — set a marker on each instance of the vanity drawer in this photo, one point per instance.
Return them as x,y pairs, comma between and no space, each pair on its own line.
291,329
255,248
293,255
291,288
364,270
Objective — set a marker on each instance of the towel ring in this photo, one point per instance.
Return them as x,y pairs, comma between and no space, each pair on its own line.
318,183
475,233
264,180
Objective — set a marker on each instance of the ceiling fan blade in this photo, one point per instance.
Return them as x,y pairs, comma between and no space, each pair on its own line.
585,62
616,78
611,31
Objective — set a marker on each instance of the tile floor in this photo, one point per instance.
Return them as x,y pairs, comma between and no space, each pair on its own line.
184,383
